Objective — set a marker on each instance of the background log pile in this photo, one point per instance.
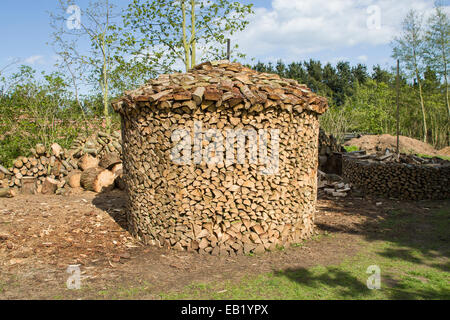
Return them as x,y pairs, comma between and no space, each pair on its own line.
97,145
330,159
225,208
402,177
57,170
332,185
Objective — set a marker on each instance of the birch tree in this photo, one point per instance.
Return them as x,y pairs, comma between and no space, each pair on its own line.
182,30
94,27
437,53
409,48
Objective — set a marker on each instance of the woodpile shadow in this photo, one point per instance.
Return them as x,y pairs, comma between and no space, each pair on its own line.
114,203
419,230
417,233
346,285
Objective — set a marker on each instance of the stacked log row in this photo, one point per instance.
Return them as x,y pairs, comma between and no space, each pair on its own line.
56,170
398,180
97,145
225,208
40,168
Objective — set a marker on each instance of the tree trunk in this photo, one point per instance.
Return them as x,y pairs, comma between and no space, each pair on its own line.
193,41
185,41
422,105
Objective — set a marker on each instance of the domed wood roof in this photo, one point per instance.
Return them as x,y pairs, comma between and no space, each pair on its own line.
223,84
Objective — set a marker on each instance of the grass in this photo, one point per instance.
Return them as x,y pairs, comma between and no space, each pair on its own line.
121,292
351,148
428,156
411,268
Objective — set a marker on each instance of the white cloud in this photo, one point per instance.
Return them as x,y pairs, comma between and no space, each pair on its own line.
34,60
293,28
363,58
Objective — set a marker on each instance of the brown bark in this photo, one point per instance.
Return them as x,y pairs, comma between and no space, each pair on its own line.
96,179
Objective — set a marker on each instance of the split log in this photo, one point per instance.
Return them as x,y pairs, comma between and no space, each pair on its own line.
120,182
56,150
97,179
49,186
117,169
74,179
109,160
7,193
5,171
87,162
29,185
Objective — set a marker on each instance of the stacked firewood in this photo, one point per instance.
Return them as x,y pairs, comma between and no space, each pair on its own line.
227,207
398,176
93,163
389,156
42,171
97,145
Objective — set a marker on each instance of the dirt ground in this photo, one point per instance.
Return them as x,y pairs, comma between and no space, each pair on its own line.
40,236
445,152
376,143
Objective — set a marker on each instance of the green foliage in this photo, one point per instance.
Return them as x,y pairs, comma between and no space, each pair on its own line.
351,148
365,103
176,29
35,112
42,109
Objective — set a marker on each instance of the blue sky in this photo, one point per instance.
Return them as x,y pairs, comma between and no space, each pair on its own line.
293,30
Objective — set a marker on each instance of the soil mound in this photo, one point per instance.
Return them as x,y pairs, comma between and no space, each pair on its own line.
377,143
445,152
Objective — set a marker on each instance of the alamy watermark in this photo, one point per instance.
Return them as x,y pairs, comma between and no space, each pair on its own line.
374,280
212,147
74,20
373,22
74,281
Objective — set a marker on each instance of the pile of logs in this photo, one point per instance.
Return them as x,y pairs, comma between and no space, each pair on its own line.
332,185
398,176
388,156
43,171
97,145
93,163
225,208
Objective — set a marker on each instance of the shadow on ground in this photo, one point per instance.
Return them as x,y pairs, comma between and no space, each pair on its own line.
342,283
419,230
414,234
114,203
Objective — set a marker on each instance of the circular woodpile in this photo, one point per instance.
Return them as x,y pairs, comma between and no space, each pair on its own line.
225,207
399,180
